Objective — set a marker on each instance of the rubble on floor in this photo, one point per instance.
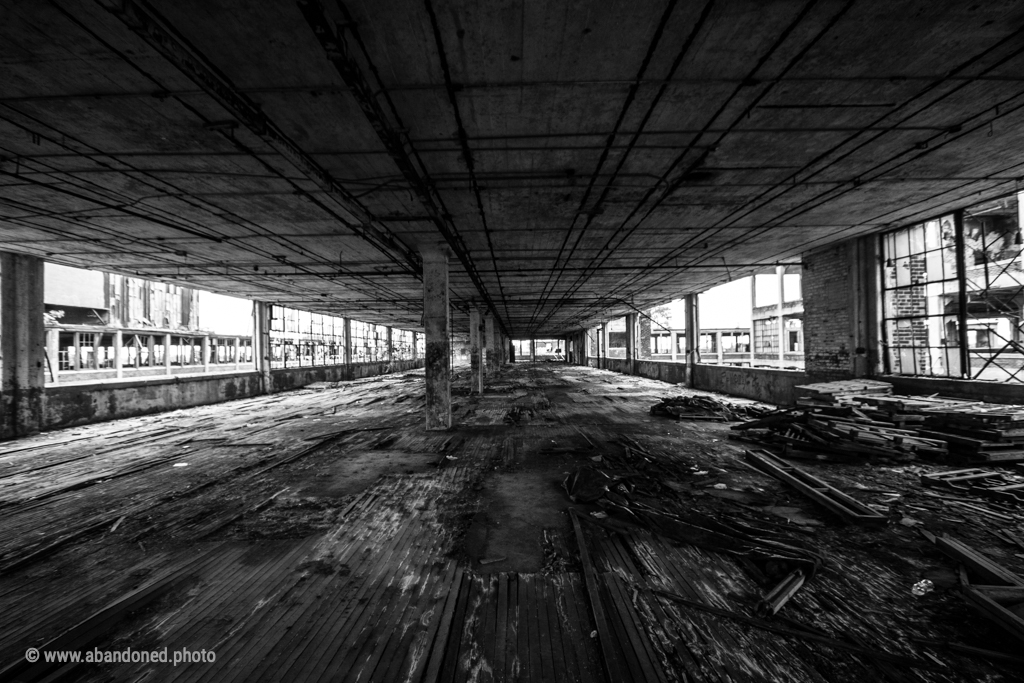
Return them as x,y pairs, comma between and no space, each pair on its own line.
839,393
305,538
708,408
863,419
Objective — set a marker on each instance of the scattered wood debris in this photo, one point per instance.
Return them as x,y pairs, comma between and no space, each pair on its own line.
850,509
1000,598
842,434
840,393
708,408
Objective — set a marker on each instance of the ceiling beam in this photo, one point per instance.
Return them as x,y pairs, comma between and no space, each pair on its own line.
161,36
333,40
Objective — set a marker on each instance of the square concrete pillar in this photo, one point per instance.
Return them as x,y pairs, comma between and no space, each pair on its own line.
753,304
692,318
476,355
780,275
22,345
118,354
167,354
347,331
533,350
491,344
631,343
643,341
53,355
262,355
436,327
602,347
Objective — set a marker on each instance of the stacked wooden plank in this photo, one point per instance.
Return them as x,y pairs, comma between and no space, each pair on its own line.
975,431
981,432
864,418
839,393
841,434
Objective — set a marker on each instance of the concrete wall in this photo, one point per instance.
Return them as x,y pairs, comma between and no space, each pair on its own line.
956,388
295,378
65,406
760,384
673,373
768,385
617,365
777,386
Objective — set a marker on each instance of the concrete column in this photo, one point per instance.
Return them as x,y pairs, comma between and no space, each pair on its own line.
643,340
348,341
753,305
261,354
780,273
22,345
491,353
167,354
602,347
415,342
631,343
476,356
118,354
533,350
692,318
391,348
864,297
206,352
435,323
53,355
238,353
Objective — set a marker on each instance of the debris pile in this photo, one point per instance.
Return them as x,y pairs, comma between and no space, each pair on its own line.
989,484
841,435
708,408
847,420
840,393
993,590
975,431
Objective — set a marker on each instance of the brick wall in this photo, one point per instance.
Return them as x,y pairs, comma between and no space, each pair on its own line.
827,316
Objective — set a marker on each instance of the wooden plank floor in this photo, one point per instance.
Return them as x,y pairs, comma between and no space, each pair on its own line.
323,535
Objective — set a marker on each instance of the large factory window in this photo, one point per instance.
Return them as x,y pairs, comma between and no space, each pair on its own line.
953,295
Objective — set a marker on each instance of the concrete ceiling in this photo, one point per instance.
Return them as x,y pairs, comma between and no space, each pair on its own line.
577,157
